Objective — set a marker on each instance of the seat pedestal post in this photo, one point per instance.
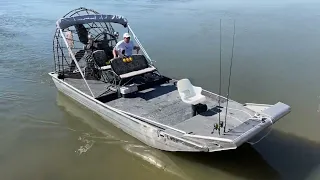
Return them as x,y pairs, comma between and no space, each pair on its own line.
194,110
198,108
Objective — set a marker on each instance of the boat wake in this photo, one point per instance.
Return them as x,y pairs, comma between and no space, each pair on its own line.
89,140
87,144
156,159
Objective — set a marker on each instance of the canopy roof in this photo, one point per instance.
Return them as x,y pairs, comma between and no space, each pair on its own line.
63,23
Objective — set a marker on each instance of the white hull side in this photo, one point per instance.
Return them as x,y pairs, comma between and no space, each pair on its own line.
142,131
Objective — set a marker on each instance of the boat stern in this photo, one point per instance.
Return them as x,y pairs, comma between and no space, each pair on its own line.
266,116
196,129
273,112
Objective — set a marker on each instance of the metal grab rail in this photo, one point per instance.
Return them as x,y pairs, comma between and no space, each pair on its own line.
75,60
140,45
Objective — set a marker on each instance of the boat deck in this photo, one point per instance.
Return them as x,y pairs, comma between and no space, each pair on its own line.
162,104
98,88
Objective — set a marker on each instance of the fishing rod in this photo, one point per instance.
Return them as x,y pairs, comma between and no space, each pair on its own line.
220,77
234,33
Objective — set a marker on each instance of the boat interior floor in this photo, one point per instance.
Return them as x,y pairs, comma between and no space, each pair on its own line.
98,88
161,103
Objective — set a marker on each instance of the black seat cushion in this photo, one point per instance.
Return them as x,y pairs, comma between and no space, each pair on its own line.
104,45
100,57
138,62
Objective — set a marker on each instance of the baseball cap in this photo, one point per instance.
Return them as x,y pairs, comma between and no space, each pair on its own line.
125,35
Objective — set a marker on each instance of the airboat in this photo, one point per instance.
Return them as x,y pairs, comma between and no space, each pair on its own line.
130,92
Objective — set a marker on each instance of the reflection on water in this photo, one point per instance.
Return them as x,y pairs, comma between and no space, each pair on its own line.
292,157
115,137
158,160
296,158
243,162
319,104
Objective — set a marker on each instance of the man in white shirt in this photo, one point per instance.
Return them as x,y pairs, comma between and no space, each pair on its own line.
124,47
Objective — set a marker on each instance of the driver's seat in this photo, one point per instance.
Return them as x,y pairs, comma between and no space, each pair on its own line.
104,45
101,63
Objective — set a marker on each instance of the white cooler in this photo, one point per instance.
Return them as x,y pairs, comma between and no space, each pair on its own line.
128,89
